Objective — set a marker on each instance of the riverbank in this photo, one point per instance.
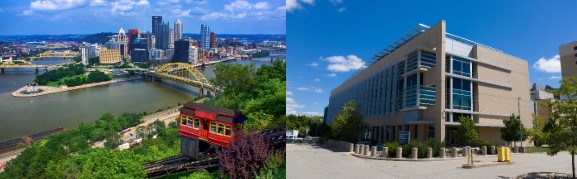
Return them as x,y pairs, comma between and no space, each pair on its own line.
50,90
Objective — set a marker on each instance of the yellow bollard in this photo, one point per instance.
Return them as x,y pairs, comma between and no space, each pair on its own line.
500,154
507,154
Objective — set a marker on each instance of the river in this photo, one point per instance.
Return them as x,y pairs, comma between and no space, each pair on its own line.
25,116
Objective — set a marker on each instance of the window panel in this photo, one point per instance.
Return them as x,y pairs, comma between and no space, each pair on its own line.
212,127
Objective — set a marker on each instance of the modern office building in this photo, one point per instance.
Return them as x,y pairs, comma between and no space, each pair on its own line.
568,57
93,50
212,40
181,51
204,37
426,80
161,32
192,54
156,54
132,34
171,38
177,30
139,55
109,56
122,42
84,54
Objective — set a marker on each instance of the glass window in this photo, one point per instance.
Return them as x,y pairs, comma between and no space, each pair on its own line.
183,120
412,80
212,127
220,129
228,131
196,123
189,121
457,65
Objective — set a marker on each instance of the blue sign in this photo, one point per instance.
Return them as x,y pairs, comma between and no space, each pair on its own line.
404,137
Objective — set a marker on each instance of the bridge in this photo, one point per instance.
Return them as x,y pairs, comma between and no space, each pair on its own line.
185,73
22,64
55,54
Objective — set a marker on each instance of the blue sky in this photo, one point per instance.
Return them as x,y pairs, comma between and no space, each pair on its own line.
93,16
329,39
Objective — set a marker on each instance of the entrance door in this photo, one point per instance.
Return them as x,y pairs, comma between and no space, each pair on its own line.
204,129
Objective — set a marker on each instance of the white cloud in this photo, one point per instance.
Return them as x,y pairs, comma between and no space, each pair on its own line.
342,9
344,64
289,93
291,104
335,2
313,64
52,5
238,5
122,6
551,65
311,2
261,5
317,80
27,13
214,16
97,3
292,5
303,89
330,75
318,90
555,77
143,3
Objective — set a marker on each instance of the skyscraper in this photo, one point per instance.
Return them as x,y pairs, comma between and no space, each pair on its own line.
122,44
171,38
212,40
132,34
84,54
161,31
204,37
177,30
181,51
156,21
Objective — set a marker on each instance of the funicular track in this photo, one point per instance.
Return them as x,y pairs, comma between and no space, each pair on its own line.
275,138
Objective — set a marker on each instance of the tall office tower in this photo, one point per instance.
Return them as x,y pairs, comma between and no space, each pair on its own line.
171,38
204,37
212,40
152,42
422,85
181,51
177,30
156,22
568,57
162,36
84,54
122,43
132,34
93,50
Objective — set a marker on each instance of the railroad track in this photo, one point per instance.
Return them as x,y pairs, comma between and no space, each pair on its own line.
177,164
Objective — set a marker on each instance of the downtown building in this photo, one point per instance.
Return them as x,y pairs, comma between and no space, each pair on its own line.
568,58
426,80
204,37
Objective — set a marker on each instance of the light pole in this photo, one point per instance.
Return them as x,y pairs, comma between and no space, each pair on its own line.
521,122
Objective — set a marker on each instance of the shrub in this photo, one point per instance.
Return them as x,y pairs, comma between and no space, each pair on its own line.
245,155
421,146
481,143
392,146
436,145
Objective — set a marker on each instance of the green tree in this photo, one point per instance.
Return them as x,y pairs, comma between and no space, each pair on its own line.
77,59
538,133
512,130
563,134
466,133
348,123
113,140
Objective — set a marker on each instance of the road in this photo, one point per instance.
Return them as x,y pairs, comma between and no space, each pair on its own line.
305,161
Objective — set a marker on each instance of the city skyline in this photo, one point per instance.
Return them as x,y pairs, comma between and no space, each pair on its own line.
335,38
94,16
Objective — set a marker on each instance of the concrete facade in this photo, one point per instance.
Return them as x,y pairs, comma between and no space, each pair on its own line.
428,80
568,57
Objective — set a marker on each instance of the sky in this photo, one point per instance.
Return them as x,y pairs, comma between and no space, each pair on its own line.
25,17
330,39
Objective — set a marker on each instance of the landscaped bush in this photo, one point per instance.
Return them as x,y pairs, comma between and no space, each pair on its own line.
392,147
481,143
245,155
421,146
436,145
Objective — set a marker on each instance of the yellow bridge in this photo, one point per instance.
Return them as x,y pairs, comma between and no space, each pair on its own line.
51,53
185,73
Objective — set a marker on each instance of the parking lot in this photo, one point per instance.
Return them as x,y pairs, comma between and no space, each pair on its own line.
306,161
